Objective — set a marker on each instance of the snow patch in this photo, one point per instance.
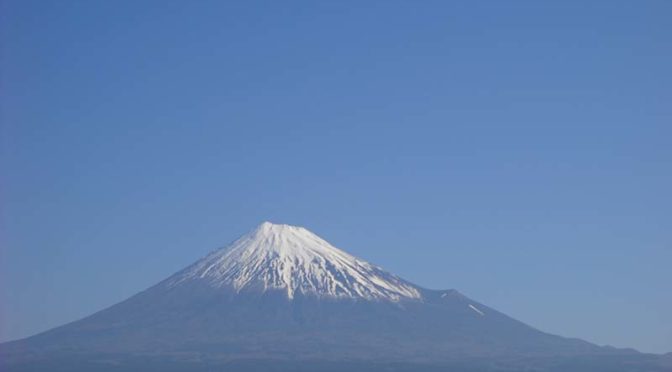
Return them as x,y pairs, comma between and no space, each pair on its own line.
293,259
476,309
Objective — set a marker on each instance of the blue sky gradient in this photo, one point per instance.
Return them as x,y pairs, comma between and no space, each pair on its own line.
519,151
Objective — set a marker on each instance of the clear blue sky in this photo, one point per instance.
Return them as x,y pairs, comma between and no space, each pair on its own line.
520,152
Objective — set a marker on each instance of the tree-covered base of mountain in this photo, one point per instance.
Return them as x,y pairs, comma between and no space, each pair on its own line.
632,363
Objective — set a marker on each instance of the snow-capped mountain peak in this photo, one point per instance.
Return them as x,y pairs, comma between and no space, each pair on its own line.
294,260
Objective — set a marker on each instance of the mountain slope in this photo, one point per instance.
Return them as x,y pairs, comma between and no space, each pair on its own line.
280,293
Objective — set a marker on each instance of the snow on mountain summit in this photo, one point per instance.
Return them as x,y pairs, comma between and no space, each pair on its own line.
294,260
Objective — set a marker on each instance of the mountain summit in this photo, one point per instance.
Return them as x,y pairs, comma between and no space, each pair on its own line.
292,259
282,299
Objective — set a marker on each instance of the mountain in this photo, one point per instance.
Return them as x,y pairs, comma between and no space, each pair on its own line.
280,298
